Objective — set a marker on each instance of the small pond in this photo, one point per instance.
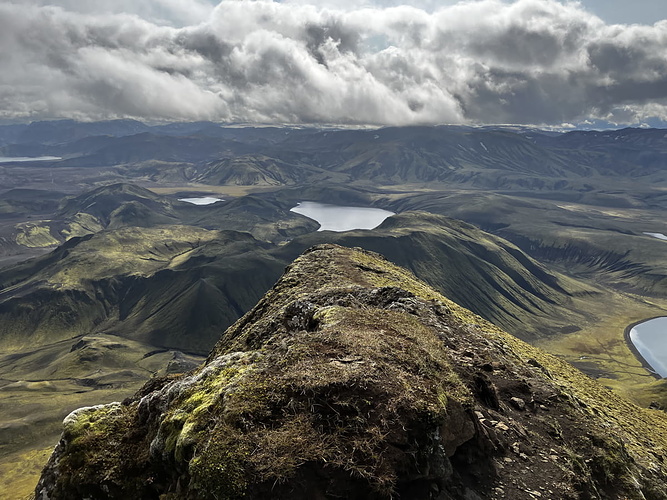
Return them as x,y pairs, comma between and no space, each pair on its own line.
340,218
649,338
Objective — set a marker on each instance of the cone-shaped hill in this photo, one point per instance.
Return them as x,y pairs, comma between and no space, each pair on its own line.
352,379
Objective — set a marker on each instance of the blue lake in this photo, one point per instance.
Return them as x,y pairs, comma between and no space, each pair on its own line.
341,218
650,339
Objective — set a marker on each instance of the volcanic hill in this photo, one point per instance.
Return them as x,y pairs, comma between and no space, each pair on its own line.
353,379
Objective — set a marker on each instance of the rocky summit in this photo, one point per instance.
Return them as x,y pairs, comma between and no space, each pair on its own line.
353,379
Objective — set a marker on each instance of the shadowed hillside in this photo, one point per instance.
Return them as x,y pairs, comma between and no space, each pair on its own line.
171,286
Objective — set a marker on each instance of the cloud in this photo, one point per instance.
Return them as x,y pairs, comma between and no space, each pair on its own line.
487,61
162,12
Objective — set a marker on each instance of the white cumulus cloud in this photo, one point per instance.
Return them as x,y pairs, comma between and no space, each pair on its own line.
488,61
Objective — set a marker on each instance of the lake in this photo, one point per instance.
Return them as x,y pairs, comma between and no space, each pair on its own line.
203,200
340,218
14,159
650,339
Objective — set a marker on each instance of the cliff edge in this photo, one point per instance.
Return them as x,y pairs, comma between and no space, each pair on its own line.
353,379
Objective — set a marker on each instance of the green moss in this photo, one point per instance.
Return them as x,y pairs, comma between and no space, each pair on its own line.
91,420
219,468
193,408
442,397
171,427
384,273
338,392
329,315
94,439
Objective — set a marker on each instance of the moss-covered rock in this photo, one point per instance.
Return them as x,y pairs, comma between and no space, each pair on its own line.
352,379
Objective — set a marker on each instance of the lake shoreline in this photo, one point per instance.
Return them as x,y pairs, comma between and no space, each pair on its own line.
628,341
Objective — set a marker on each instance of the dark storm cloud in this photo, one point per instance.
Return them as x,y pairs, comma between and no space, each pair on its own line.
531,61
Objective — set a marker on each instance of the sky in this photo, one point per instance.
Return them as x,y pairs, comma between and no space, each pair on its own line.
370,62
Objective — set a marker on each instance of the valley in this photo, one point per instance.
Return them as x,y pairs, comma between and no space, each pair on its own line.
108,279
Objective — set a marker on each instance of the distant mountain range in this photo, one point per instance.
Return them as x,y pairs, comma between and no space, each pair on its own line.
477,157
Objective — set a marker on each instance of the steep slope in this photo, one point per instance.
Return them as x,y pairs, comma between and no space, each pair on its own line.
169,286
632,152
601,237
352,379
258,170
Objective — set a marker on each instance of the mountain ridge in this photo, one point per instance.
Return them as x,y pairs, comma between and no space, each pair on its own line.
352,378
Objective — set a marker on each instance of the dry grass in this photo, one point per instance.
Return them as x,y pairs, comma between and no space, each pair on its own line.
20,471
231,190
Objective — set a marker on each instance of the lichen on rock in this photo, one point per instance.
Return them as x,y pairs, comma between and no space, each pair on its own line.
352,379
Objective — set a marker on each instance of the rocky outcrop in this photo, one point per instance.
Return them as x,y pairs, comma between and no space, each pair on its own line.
352,379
